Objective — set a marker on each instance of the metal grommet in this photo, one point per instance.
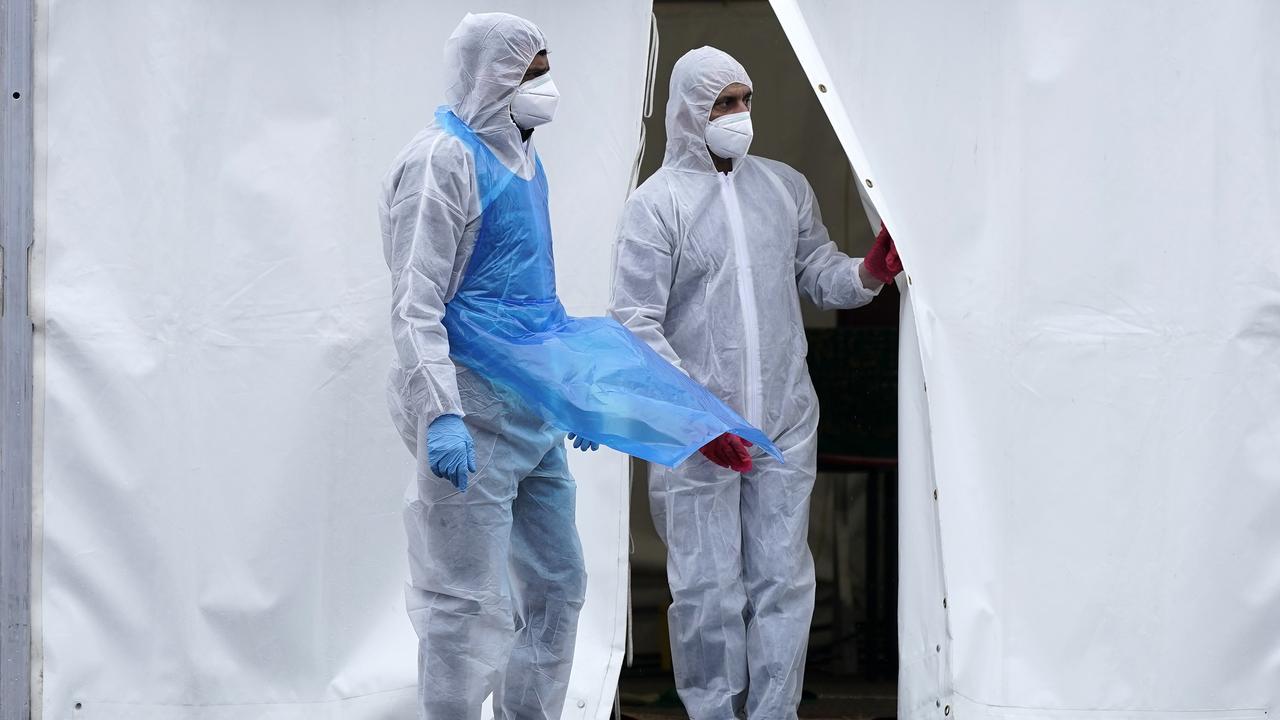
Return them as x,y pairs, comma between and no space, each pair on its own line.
946,710
822,88
869,183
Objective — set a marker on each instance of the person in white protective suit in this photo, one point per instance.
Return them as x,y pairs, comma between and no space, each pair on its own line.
490,371
497,575
713,253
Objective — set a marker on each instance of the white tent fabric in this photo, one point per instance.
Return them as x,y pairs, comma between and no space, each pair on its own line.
222,485
1087,199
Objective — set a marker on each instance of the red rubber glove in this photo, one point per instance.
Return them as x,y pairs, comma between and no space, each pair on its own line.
729,451
882,261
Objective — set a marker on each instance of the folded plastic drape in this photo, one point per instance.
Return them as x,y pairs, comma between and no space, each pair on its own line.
222,488
588,376
1087,199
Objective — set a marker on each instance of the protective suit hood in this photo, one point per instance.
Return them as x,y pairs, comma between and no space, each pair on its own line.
484,61
696,80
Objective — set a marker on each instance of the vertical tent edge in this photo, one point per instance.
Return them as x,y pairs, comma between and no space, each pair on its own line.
16,337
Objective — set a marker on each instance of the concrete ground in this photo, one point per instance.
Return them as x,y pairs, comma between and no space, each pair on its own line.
828,697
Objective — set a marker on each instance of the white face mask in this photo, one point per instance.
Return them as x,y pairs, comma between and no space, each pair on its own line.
729,136
535,102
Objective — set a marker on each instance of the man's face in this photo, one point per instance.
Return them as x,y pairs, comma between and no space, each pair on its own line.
539,67
734,99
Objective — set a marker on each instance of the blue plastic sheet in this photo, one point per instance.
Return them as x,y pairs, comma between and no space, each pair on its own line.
589,376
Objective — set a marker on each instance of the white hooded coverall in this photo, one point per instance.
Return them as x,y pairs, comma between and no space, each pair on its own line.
708,271
496,572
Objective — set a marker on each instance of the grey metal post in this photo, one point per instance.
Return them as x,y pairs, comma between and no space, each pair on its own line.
16,331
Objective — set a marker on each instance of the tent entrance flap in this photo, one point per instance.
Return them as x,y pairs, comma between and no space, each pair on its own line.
1059,179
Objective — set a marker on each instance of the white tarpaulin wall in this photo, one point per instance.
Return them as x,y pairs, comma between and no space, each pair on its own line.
1087,199
222,485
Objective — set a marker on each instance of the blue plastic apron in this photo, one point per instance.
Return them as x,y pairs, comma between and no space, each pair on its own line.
588,376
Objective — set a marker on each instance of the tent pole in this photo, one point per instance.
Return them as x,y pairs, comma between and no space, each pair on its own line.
16,335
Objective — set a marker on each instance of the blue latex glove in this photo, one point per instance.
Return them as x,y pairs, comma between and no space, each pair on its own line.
583,444
450,450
